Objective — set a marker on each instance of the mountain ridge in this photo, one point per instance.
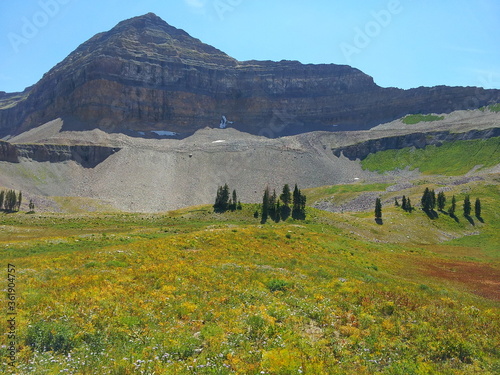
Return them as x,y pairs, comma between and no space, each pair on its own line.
145,75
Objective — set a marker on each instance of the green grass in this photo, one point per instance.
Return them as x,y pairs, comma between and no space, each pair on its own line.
415,119
492,108
193,292
452,158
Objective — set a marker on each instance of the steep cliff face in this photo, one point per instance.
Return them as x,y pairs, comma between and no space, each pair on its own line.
146,75
86,156
419,140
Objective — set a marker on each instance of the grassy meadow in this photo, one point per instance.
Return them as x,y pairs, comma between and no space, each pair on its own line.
194,292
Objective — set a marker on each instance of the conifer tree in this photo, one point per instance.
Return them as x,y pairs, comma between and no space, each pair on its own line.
467,206
409,208
404,204
19,200
378,209
441,201
286,196
477,208
234,202
453,207
265,205
31,206
396,203
2,196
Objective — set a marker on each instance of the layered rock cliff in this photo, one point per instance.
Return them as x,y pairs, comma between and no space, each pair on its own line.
86,156
146,75
418,140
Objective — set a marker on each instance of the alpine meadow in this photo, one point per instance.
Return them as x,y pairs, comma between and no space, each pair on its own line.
168,209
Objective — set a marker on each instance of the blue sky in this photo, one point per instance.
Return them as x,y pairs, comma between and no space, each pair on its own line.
400,43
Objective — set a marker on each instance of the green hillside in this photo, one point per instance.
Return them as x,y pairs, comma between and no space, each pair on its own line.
452,158
193,292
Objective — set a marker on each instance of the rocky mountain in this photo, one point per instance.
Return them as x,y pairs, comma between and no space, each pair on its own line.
145,75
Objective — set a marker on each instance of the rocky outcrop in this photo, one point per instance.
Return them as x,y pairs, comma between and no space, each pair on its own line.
418,140
146,75
86,156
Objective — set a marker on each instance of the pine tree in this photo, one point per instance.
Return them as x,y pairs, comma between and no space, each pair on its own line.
234,202
396,203
378,209
432,199
10,201
31,206
2,196
222,199
477,208
404,204
409,208
265,205
441,201
426,200
467,206
19,200
453,207
286,195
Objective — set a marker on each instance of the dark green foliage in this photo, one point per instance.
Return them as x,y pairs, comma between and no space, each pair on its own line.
2,196
378,209
223,202
396,203
477,208
50,336
10,201
19,200
31,206
299,204
467,206
256,214
222,199
441,201
409,207
265,205
428,200
286,195
453,207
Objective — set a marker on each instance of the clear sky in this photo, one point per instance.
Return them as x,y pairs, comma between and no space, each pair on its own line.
400,43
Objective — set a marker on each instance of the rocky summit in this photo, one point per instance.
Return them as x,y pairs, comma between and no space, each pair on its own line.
145,75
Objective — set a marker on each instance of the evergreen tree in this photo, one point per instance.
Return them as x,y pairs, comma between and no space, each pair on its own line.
2,196
409,208
272,205
441,201
404,205
19,200
277,211
426,200
432,199
286,195
467,206
222,199
453,207
265,205
477,208
296,198
234,202
378,209
239,207
396,203
31,206
10,200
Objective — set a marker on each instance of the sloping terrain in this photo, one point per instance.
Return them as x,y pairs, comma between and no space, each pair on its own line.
145,75
153,175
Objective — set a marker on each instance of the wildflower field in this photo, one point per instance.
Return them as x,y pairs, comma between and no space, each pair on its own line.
195,292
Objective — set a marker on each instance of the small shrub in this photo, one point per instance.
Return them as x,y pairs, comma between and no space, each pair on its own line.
50,336
275,285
